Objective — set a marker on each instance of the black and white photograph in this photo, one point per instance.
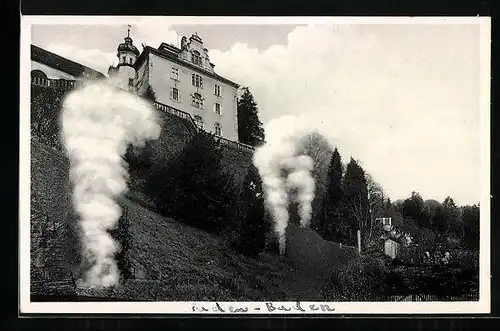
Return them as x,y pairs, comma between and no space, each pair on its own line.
254,165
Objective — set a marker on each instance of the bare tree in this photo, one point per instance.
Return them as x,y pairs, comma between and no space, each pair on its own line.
318,148
366,215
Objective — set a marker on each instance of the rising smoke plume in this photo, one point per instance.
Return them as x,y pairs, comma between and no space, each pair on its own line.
99,122
284,171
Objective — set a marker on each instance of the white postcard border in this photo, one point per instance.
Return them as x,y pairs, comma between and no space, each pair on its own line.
481,306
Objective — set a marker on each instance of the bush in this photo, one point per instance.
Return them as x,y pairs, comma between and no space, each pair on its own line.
362,279
192,187
464,259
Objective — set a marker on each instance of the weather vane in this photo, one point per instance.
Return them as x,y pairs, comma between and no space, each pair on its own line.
128,30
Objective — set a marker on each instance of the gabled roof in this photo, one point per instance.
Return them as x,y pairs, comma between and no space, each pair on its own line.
58,62
172,56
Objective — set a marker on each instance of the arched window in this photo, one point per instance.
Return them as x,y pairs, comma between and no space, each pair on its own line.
38,77
197,101
38,74
196,58
218,129
199,121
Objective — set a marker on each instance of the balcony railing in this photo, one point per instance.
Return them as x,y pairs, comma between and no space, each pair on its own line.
189,118
64,84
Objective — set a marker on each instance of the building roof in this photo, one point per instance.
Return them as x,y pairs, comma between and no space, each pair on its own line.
58,62
128,46
172,56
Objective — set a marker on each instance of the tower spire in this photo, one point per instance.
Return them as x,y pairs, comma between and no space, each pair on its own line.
128,30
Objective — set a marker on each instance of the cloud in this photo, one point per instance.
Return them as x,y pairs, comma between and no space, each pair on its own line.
402,99
150,31
153,31
92,58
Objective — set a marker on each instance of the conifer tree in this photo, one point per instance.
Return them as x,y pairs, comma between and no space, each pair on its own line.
355,200
250,130
330,227
256,225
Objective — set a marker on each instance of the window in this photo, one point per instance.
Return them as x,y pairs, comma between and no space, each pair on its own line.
217,90
175,73
124,59
197,80
175,94
197,101
196,58
218,130
130,82
199,121
217,108
130,60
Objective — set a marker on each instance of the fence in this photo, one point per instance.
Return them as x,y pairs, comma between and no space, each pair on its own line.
416,297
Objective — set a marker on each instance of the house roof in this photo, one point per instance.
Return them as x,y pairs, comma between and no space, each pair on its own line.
174,58
58,62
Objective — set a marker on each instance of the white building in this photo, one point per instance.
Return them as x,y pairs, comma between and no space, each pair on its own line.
182,78
47,65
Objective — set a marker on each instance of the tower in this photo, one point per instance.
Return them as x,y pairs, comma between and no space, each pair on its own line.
124,73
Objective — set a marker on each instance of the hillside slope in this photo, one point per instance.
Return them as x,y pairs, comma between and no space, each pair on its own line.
170,260
175,262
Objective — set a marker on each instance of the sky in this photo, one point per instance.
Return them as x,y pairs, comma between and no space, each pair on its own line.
401,99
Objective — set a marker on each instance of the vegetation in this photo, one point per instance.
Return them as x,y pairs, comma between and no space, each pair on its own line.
122,236
332,226
362,279
250,130
252,238
193,187
46,108
316,146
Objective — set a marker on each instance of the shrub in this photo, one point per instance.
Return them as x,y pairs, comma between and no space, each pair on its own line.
192,187
464,259
362,279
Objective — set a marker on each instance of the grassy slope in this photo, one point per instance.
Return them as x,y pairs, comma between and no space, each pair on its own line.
180,262
173,261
